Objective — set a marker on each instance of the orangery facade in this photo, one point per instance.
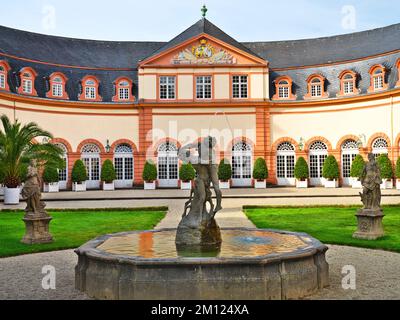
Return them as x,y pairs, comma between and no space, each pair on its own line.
133,101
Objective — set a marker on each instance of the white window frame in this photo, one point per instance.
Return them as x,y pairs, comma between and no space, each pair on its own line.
240,87
90,155
124,155
27,86
286,157
316,90
167,88
124,93
57,89
242,164
204,87
349,152
348,87
2,80
168,165
90,92
378,82
318,151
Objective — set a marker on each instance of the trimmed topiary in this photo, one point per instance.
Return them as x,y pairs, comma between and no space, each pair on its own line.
357,167
224,170
330,170
385,166
301,169
50,175
108,174
398,168
79,173
187,172
149,172
260,171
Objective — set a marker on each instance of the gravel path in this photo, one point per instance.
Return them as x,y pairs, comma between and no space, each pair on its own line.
378,275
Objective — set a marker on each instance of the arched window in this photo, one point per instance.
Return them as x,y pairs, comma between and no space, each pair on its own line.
91,158
168,165
348,83
57,86
63,173
349,152
285,161
4,69
90,89
283,89
378,82
318,154
380,146
242,159
123,162
316,87
27,82
123,90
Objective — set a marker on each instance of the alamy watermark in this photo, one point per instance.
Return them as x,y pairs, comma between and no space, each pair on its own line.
349,17
49,19
49,280
349,279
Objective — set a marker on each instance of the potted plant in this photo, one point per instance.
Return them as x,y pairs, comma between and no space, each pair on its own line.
260,174
330,171
149,175
50,179
385,165
186,175
17,149
108,175
301,173
356,170
79,176
224,174
398,174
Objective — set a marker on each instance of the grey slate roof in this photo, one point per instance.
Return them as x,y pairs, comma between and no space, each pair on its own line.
95,55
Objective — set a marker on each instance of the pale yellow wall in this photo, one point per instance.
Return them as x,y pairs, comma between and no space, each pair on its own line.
185,87
257,86
148,87
221,86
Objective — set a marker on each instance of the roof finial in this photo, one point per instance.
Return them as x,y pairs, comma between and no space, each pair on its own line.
204,11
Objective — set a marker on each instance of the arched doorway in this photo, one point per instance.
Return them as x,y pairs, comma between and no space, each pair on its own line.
285,161
168,165
242,159
91,158
380,146
123,162
63,173
317,156
349,152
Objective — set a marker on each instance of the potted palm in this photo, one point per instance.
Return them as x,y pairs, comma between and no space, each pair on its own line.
108,175
186,175
398,174
224,174
301,173
385,165
79,176
356,171
260,174
17,149
330,171
50,179
149,175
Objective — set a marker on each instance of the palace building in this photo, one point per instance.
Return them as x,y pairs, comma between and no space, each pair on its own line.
130,101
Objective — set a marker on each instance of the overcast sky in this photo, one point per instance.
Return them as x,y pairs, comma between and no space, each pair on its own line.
161,20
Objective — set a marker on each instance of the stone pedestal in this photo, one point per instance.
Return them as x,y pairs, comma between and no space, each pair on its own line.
37,229
370,225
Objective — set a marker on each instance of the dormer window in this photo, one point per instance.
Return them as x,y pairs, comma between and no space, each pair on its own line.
316,87
57,86
90,89
283,89
27,85
4,68
398,73
123,90
348,83
377,74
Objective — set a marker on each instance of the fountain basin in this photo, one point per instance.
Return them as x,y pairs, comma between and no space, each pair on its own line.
250,264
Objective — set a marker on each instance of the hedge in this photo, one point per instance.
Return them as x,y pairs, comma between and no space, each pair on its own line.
108,174
50,175
224,170
357,167
260,171
330,169
386,166
79,173
149,172
187,172
301,171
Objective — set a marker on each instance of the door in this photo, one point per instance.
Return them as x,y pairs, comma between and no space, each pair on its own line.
349,152
285,161
91,159
168,165
318,154
63,173
242,165
123,162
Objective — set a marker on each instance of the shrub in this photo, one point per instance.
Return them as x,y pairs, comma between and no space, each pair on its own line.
50,174
357,167
385,165
149,172
108,172
330,169
260,171
398,168
79,173
224,170
187,172
301,169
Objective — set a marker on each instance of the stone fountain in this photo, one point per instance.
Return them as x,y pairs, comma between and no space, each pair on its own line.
198,260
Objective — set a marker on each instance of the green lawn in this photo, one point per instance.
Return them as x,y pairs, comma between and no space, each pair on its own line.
71,229
332,225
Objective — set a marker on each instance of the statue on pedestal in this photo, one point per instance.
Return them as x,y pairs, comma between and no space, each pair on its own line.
36,218
370,217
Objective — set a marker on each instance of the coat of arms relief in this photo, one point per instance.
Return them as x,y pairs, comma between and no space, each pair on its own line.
204,53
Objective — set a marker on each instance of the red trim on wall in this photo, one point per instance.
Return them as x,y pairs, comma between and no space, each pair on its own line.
90,141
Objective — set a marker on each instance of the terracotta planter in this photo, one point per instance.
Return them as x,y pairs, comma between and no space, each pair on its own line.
260,184
108,186
387,184
51,187
11,195
301,184
150,185
186,185
79,187
331,184
224,184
